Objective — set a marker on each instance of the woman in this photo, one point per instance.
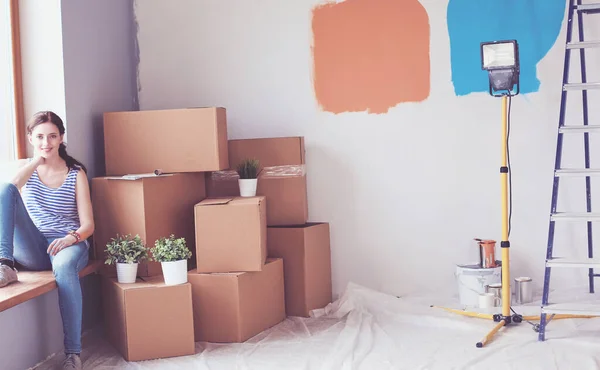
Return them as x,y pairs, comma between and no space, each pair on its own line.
45,219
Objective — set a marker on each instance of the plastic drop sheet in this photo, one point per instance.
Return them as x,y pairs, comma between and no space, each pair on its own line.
366,329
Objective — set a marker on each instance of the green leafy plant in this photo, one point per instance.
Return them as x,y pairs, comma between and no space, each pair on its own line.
248,169
170,249
126,249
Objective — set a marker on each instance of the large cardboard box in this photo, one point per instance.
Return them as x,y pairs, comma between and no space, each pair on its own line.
148,319
306,257
152,207
231,234
234,307
283,186
171,140
271,151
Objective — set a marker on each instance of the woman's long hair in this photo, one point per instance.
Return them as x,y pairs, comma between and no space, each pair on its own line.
48,116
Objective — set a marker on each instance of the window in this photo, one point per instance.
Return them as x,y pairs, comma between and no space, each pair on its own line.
7,96
7,103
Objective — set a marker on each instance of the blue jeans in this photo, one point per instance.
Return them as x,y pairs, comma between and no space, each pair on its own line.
23,243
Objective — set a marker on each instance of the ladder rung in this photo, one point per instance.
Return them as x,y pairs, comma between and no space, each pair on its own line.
573,309
575,216
583,44
581,128
581,86
588,7
577,172
573,262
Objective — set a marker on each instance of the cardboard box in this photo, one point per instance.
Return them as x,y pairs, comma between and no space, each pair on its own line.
172,140
284,187
220,184
307,265
231,234
152,207
234,307
286,193
148,319
274,151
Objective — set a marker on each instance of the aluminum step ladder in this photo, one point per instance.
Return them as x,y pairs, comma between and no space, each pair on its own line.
581,11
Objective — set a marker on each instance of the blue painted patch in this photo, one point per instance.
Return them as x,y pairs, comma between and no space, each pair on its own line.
535,24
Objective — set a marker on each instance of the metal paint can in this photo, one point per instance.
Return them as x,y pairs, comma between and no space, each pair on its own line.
523,290
494,288
487,253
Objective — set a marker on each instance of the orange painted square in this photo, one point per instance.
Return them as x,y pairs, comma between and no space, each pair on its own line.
370,55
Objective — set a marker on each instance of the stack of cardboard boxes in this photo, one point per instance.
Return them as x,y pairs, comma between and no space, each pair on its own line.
255,259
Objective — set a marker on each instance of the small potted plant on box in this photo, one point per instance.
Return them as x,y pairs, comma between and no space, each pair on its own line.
126,252
172,253
248,171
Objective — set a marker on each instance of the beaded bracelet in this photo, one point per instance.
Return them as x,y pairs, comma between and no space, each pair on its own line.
76,235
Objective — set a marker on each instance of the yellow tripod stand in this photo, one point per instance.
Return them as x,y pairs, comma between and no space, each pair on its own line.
505,318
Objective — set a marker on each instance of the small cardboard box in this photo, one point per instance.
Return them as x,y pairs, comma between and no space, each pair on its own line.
234,307
283,186
170,140
152,206
306,257
231,234
148,319
222,184
271,151
286,193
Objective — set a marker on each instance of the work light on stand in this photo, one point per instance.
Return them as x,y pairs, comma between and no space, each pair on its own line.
501,60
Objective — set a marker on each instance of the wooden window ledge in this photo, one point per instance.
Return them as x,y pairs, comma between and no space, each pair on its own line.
32,284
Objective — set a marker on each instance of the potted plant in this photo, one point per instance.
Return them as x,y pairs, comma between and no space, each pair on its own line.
126,252
248,171
172,253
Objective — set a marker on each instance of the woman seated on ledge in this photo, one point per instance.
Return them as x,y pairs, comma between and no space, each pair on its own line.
46,226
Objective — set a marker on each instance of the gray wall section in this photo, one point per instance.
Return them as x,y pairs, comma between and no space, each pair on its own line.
32,330
100,64
100,59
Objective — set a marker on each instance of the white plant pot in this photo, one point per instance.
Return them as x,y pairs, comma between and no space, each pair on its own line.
247,187
175,272
126,272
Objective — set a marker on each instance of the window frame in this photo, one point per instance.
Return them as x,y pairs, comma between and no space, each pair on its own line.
20,141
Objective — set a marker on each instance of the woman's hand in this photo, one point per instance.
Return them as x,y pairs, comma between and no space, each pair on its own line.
39,160
59,244
26,169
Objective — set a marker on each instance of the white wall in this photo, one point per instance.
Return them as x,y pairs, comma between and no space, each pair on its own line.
79,60
405,192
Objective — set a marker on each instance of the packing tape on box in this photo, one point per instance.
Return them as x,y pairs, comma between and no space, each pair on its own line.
224,175
273,171
284,171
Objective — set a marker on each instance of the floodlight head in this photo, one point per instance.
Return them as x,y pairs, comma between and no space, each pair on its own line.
501,60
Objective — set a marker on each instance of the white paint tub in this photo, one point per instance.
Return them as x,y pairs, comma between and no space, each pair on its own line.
472,280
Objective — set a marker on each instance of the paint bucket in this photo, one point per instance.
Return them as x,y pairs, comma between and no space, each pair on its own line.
472,281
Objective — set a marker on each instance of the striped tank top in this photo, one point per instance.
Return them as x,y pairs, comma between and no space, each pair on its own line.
52,210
